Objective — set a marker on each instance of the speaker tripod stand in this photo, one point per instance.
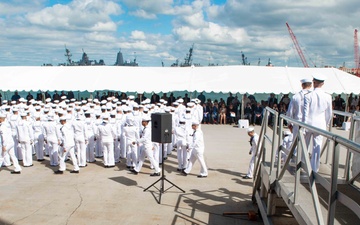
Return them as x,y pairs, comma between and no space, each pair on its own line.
162,179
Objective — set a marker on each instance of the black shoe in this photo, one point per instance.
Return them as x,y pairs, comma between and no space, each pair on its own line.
201,176
93,161
154,174
40,160
59,172
247,177
83,166
128,167
111,166
134,171
15,172
106,166
74,171
184,173
179,169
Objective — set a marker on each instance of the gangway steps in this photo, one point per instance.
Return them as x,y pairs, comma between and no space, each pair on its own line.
303,210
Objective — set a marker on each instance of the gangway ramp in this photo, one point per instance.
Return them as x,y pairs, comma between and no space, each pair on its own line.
325,197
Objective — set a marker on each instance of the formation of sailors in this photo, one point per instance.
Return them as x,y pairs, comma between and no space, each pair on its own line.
85,130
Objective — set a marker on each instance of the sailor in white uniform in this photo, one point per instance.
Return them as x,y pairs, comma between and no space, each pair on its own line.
7,144
181,142
52,138
67,144
197,147
317,113
147,145
80,139
107,136
25,136
131,132
38,129
254,138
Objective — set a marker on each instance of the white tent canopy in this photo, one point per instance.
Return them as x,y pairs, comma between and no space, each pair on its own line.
237,79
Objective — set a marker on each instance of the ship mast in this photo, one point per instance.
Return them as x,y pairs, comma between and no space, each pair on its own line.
68,55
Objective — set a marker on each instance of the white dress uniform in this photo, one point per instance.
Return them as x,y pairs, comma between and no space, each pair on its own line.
131,133
13,121
296,108
67,141
52,137
90,131
147,150
7,144
107,136
98,145
38,129
181,143
25,137
80,140
253,150
197,147
317,113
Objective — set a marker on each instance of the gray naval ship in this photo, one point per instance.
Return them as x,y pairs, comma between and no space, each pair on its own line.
86,61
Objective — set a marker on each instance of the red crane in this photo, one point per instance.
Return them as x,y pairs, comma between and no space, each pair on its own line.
356,54
297,46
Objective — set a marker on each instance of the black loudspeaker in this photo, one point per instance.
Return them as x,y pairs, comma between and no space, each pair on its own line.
161,127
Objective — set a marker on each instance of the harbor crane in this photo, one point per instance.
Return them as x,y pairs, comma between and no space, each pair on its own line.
356,54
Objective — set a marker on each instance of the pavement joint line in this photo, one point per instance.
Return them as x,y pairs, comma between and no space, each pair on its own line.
32,213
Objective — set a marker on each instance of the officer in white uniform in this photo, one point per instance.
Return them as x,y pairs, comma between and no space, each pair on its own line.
25,136
296,106
147,145
107,137
67,143
90,131
197,153
254,138
7,144
317,113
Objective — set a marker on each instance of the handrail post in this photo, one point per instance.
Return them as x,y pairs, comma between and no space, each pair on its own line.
333,185
274,145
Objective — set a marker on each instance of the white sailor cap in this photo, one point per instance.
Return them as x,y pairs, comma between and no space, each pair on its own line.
96,100
250,129
72,100
135,105
141,106
109,99
103,102
188,110
2,115
190,104
4,101
56,101
37,107
287,132
67,100
22,100
23,114
306,80
32,100
89,100
167,109
15,109
195,122
13,102
175,103
62,118
68,109
115,100
193,100
108,108
123,101
146,118
162,100
182,120
63,97
319,77
146,110
46,110
37,115
180,100
83,101
48,100
103,107
131,97
118,109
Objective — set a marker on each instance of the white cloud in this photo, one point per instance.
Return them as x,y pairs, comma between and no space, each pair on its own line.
143,14
78,14
137,35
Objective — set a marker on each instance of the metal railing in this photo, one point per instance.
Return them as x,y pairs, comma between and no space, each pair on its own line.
266,187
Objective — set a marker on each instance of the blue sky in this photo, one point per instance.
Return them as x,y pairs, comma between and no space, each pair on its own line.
35,32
